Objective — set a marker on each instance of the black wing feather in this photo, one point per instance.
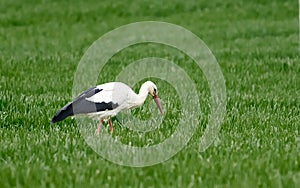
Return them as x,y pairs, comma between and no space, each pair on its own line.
81,106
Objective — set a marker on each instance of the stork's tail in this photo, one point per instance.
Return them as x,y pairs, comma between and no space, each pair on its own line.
63,113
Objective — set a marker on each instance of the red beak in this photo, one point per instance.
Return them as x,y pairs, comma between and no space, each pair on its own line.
156,100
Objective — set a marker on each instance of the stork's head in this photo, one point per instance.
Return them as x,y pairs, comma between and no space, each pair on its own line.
152,90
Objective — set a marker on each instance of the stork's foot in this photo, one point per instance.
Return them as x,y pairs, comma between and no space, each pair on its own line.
110,126
98,128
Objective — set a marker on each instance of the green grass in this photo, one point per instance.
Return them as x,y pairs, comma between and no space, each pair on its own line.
255,42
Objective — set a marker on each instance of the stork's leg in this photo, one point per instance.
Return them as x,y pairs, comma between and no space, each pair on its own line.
98,128
110,126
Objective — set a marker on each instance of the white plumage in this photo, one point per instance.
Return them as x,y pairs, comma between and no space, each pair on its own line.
106,100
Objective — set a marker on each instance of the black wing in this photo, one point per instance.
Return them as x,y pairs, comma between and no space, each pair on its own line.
82,106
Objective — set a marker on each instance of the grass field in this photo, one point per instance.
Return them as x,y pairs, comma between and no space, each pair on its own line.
255,42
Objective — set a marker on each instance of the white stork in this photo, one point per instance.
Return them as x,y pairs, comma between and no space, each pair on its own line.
106,100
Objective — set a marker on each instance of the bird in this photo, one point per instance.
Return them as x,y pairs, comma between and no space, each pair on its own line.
107,100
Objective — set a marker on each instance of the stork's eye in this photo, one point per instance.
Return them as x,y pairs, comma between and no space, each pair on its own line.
154,90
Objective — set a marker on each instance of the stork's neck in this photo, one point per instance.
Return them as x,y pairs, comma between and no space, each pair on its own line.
143,93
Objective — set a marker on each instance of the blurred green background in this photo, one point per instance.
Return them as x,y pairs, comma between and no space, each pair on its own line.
255,42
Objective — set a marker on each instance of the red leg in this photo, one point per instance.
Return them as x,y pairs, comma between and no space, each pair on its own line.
98,128
110,126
